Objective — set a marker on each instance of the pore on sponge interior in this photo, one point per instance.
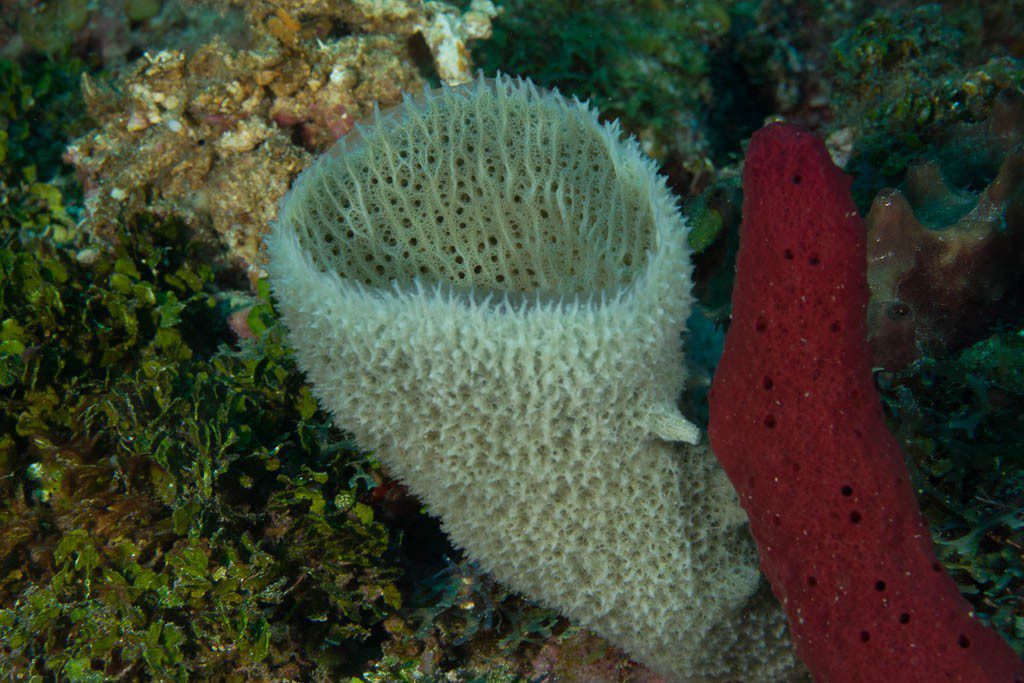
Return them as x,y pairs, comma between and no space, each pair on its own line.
487,287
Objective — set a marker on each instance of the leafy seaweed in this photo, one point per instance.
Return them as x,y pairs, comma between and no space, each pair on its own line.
172,506
961,422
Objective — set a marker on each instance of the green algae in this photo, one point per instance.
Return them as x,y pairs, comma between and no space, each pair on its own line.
645,63
904,76
959,420
171,504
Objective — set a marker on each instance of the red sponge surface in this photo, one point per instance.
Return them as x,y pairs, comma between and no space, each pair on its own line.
797,424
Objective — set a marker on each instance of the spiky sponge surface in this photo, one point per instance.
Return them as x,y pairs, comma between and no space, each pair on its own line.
487,287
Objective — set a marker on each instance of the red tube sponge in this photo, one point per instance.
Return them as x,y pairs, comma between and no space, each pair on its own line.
797,424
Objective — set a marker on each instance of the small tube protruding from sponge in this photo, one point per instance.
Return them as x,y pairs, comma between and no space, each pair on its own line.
667,424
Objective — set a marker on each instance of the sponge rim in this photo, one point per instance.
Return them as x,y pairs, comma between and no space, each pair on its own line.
667,221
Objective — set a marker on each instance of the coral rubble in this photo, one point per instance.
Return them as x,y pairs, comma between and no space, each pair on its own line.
215,136
445,30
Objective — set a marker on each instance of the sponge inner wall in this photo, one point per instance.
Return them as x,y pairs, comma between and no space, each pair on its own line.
496,188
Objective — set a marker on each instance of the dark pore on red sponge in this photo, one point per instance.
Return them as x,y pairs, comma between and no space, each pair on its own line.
798,426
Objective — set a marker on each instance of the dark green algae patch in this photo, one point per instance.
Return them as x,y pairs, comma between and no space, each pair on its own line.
172,505
167,505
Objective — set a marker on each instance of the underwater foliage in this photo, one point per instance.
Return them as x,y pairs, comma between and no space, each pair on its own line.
961,422
169,506
904,75
39,102
645,63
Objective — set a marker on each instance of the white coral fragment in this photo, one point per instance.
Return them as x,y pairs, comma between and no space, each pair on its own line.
447,33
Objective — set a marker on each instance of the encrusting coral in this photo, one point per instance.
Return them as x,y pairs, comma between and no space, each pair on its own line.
487,286
215,136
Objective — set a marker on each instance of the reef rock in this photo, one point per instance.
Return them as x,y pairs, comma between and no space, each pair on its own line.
216,135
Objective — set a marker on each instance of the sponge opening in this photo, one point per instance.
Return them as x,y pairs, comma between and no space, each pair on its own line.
494,185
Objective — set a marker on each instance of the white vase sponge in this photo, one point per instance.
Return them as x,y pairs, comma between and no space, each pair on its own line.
487,286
